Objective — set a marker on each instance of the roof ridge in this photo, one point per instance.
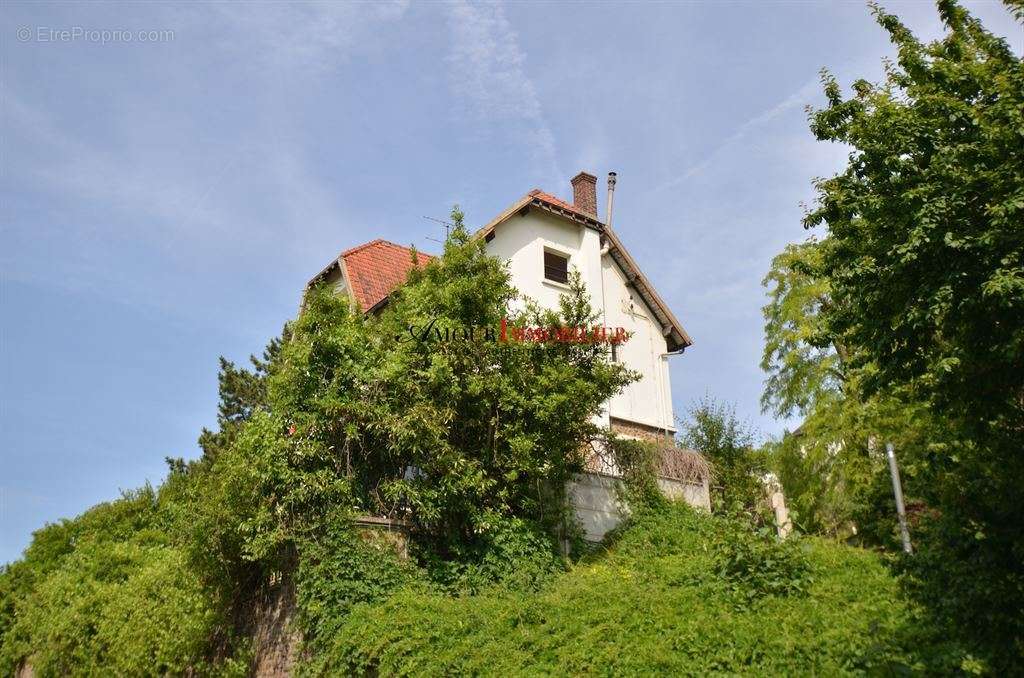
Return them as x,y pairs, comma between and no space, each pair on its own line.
382,241
357,248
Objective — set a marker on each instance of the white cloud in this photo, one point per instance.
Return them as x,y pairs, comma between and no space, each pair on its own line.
488,77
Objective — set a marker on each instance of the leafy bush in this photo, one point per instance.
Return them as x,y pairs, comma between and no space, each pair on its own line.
339,568
107,593
511,554
714,430
761,565
674,592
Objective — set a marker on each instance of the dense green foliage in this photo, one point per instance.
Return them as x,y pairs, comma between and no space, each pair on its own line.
925,246
428,423
676,593
714,430
904,322
834,470
243,392
109,593
802,370
471,442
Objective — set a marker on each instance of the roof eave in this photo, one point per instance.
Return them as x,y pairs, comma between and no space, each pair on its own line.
677,337
324,272
530,200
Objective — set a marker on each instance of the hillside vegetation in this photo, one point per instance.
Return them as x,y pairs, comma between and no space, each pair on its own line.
899,321
674,591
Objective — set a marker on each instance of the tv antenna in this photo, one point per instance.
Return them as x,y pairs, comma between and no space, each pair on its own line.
447,229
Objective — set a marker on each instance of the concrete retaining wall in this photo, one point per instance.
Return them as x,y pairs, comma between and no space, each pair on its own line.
598,509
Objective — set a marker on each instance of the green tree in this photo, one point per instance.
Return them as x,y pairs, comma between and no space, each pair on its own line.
242,393
804,364
451,428
833,469
924,260
714,430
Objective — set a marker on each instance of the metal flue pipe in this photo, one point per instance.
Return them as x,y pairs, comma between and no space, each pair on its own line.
612,176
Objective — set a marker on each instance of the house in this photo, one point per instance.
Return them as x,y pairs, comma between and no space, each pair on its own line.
542,238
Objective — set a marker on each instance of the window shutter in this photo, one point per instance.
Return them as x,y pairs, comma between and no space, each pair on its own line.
556,267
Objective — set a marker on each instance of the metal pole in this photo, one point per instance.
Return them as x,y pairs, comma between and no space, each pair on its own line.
897,489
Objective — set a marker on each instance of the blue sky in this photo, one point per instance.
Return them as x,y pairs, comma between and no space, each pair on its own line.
164,202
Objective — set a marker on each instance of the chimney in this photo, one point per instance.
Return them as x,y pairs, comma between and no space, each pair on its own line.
584,193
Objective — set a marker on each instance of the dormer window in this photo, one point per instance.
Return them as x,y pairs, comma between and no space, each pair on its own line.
556,267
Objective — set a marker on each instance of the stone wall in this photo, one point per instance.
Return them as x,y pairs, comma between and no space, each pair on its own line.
270,616
632,429
271,625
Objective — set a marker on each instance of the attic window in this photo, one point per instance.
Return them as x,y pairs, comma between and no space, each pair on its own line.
556,267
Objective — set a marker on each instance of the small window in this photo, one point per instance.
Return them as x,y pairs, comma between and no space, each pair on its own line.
615,353
556,267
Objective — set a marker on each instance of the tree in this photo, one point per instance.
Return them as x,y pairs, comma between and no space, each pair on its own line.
803,364
926,249
833,467
713,429
924,258
427,413
242,393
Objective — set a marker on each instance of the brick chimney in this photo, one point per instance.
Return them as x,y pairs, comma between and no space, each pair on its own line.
584,193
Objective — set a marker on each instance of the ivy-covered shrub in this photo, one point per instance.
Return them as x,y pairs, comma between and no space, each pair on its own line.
511,554
108,594
339,568
675,592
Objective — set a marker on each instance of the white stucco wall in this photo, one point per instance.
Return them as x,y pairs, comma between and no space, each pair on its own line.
649,400
694,494
521,241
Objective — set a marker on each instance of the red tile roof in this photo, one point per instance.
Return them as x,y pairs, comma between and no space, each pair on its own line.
558,202
376,268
